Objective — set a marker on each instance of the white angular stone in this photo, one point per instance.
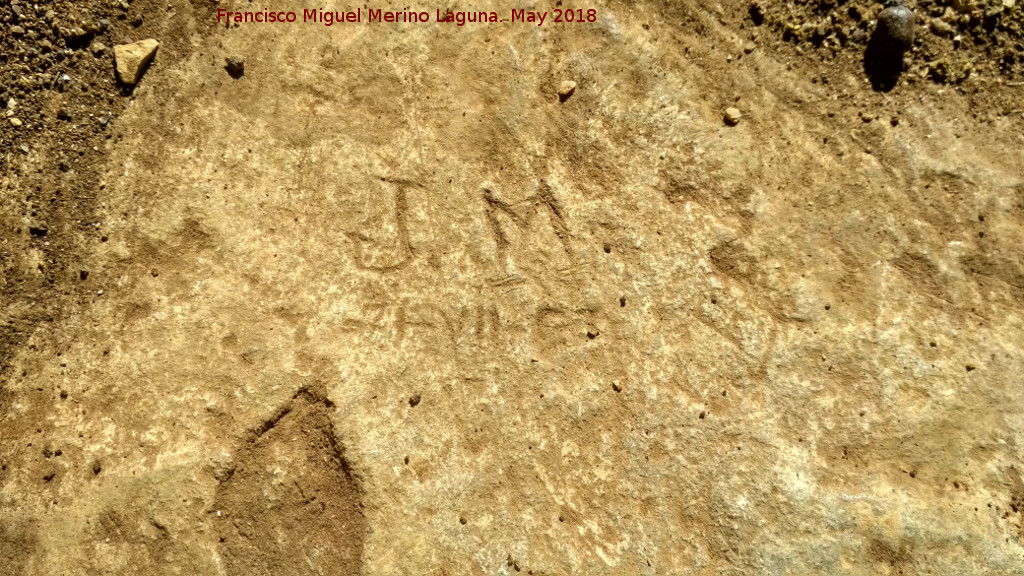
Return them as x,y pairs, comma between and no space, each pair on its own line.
131,59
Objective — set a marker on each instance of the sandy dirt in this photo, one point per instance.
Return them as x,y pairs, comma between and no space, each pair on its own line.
386,298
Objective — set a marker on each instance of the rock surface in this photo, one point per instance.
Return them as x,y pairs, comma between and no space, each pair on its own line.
131,60
388,299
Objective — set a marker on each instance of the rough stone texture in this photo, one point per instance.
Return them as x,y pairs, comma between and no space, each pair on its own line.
131,59
482,332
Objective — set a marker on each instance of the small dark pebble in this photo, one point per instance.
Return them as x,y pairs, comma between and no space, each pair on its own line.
96,467
896,27
414,400
892,38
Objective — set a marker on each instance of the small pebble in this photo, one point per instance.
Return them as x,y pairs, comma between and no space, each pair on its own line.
896,27
17,30
566,89
76,33
732,116
887,51
16,122
941,27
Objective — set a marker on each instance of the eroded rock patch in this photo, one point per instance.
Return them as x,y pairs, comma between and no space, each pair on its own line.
291,505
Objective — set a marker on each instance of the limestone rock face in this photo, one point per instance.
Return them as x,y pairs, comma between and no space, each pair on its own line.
131,59
388,307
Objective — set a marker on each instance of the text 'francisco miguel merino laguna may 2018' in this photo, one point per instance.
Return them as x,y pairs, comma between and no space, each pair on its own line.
373,16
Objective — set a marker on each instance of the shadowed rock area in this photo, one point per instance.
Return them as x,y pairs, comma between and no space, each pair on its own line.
288,504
